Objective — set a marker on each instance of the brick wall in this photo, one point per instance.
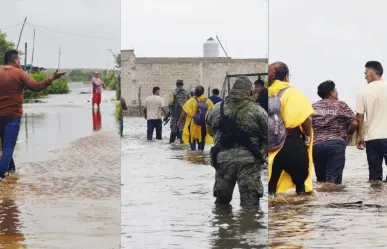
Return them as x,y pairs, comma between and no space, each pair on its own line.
163,72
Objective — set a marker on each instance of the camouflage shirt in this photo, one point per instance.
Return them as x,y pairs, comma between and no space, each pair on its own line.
254,121
177,99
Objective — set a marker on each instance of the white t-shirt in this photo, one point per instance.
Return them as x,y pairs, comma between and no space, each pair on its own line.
153,105
371,100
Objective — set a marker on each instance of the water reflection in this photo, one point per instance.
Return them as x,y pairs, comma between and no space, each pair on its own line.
235,227
68,178
10,234
355,211
97,122
167,191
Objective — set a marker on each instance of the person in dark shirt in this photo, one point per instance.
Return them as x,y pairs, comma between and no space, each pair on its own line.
215,96
263,98
333,123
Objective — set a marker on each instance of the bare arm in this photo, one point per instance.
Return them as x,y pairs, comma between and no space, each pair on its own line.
145,110
182,117
164,110
360,121
353,127
33,85
307,126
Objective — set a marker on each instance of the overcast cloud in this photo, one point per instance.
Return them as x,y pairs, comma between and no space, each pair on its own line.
175,28
328,39
86,18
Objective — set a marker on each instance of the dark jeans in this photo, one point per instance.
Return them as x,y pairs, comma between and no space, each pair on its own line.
293,159
329,161
201,144
121,127
152,125
376,150
9,131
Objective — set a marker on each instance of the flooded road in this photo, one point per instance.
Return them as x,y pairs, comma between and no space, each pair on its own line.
66,191
310,222
167,199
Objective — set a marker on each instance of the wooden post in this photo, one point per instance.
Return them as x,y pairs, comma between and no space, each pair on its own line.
209,89
33,50
25,56
21,32
228,85
60,52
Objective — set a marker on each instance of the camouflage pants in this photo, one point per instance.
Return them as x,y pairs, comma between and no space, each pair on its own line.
174,124
248,177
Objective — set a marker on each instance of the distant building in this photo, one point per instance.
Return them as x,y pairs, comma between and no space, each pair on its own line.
208,71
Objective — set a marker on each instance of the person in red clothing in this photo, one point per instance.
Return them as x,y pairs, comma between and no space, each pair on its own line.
13,81
97,89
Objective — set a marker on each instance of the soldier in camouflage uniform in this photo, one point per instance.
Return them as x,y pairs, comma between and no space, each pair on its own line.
177,100
234,162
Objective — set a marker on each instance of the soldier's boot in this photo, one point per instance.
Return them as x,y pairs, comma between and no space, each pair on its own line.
172,137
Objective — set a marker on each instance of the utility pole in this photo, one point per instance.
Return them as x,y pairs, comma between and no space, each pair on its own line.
33,50
60,51
25,56
21,32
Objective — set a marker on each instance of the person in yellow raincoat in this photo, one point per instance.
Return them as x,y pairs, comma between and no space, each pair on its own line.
193,133
291,165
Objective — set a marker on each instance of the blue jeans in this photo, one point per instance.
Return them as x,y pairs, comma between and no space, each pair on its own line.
376,151
329,161
121,126
9,131
154,124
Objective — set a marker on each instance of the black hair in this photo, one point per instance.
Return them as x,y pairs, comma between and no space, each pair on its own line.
259,82
155,89
10,55
376,66
215,91
325,88
199,91
179,83
282,71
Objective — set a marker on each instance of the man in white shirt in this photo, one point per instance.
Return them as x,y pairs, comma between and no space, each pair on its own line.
371,101
154,104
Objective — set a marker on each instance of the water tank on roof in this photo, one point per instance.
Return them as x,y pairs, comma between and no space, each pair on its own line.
211,48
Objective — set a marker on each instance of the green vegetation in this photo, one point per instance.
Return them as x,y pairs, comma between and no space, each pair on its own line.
117,59
59,86
109,78
4,46
118,110
80,75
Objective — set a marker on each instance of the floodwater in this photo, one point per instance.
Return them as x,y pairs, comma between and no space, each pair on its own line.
313,222
167,199
66,191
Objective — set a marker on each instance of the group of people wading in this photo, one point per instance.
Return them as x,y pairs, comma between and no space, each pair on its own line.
236,126
303,135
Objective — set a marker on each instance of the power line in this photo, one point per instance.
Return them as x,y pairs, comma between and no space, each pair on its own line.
12,26
73,34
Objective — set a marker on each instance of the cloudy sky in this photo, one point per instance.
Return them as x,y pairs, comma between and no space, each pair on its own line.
328,39
95,23
175,28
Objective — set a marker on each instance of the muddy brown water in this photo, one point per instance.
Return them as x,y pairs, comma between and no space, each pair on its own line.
307,222
66,193
167,199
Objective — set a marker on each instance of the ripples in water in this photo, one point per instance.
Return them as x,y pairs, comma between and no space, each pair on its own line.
322,220
68,196
167,199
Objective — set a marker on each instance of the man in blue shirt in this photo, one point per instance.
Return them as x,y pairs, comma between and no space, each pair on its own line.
215,96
